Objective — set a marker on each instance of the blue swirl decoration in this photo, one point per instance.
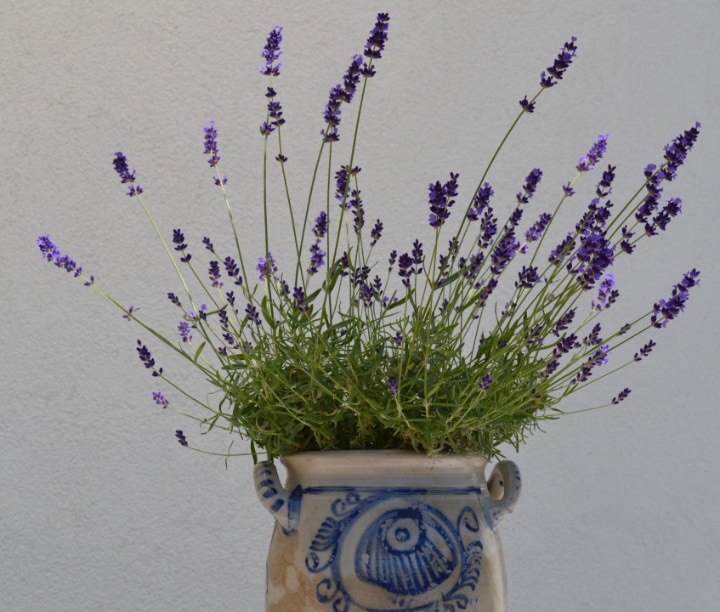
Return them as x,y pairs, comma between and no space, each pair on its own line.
385,553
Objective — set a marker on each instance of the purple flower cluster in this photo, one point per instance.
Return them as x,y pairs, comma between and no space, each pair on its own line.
52,254
275,114
531,183
645,350
675,154
214,274
338,95
147,359
126,176
184,331
410,264
595,154
232,270
211,147
180,437
160,399
441,200
621,396
665,310
378,37
535,231
266,267
271,53
299,297
181,245
252,314
346,91
607,294
562,62
481,202
376,232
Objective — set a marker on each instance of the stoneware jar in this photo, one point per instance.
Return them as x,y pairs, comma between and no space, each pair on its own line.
386,531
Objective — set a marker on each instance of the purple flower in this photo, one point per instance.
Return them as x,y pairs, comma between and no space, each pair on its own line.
252,315
160,399
607,294
527,106
341,183
677,150
378,37
568,190
232,270
126,176
211,144
621,396
52,254
180,437
528,277
564,322
531,182
604,187
180,245
535,231
321,225
376,232
594,155
317,257
645,350
223,317
598,358
147,359
274,108
556,72
481,202
208,244
440,199
665,310
299,297
392,384
214,274
271,53
174,299
485,382
593,338
184,330
266,267
338,95
129,314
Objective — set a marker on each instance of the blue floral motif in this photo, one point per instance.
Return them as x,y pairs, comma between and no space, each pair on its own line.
402,552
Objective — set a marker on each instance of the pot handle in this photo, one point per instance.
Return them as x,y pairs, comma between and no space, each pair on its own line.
283,505
503,492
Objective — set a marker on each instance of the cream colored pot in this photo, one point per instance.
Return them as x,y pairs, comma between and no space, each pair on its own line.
386,531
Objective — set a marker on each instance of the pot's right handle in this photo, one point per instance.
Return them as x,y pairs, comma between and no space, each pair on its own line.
284,505
503,492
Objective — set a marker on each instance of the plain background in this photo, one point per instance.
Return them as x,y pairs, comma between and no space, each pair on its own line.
100,508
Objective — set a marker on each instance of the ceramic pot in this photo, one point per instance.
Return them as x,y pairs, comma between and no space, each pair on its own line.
386,531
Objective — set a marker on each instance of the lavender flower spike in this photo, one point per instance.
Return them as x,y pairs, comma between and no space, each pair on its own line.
595,154
665,310
211,144
126,176
271,52
52,254
556,72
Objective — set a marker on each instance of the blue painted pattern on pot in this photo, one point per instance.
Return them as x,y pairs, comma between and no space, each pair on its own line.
386,532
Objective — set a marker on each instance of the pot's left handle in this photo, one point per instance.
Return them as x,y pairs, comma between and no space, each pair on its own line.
282,504
503,492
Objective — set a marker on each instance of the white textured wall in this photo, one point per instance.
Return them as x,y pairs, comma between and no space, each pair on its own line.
100,509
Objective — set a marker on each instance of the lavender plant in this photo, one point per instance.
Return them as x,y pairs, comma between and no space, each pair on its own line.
358,345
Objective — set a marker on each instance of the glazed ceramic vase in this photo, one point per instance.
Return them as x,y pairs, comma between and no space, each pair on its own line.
386,531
